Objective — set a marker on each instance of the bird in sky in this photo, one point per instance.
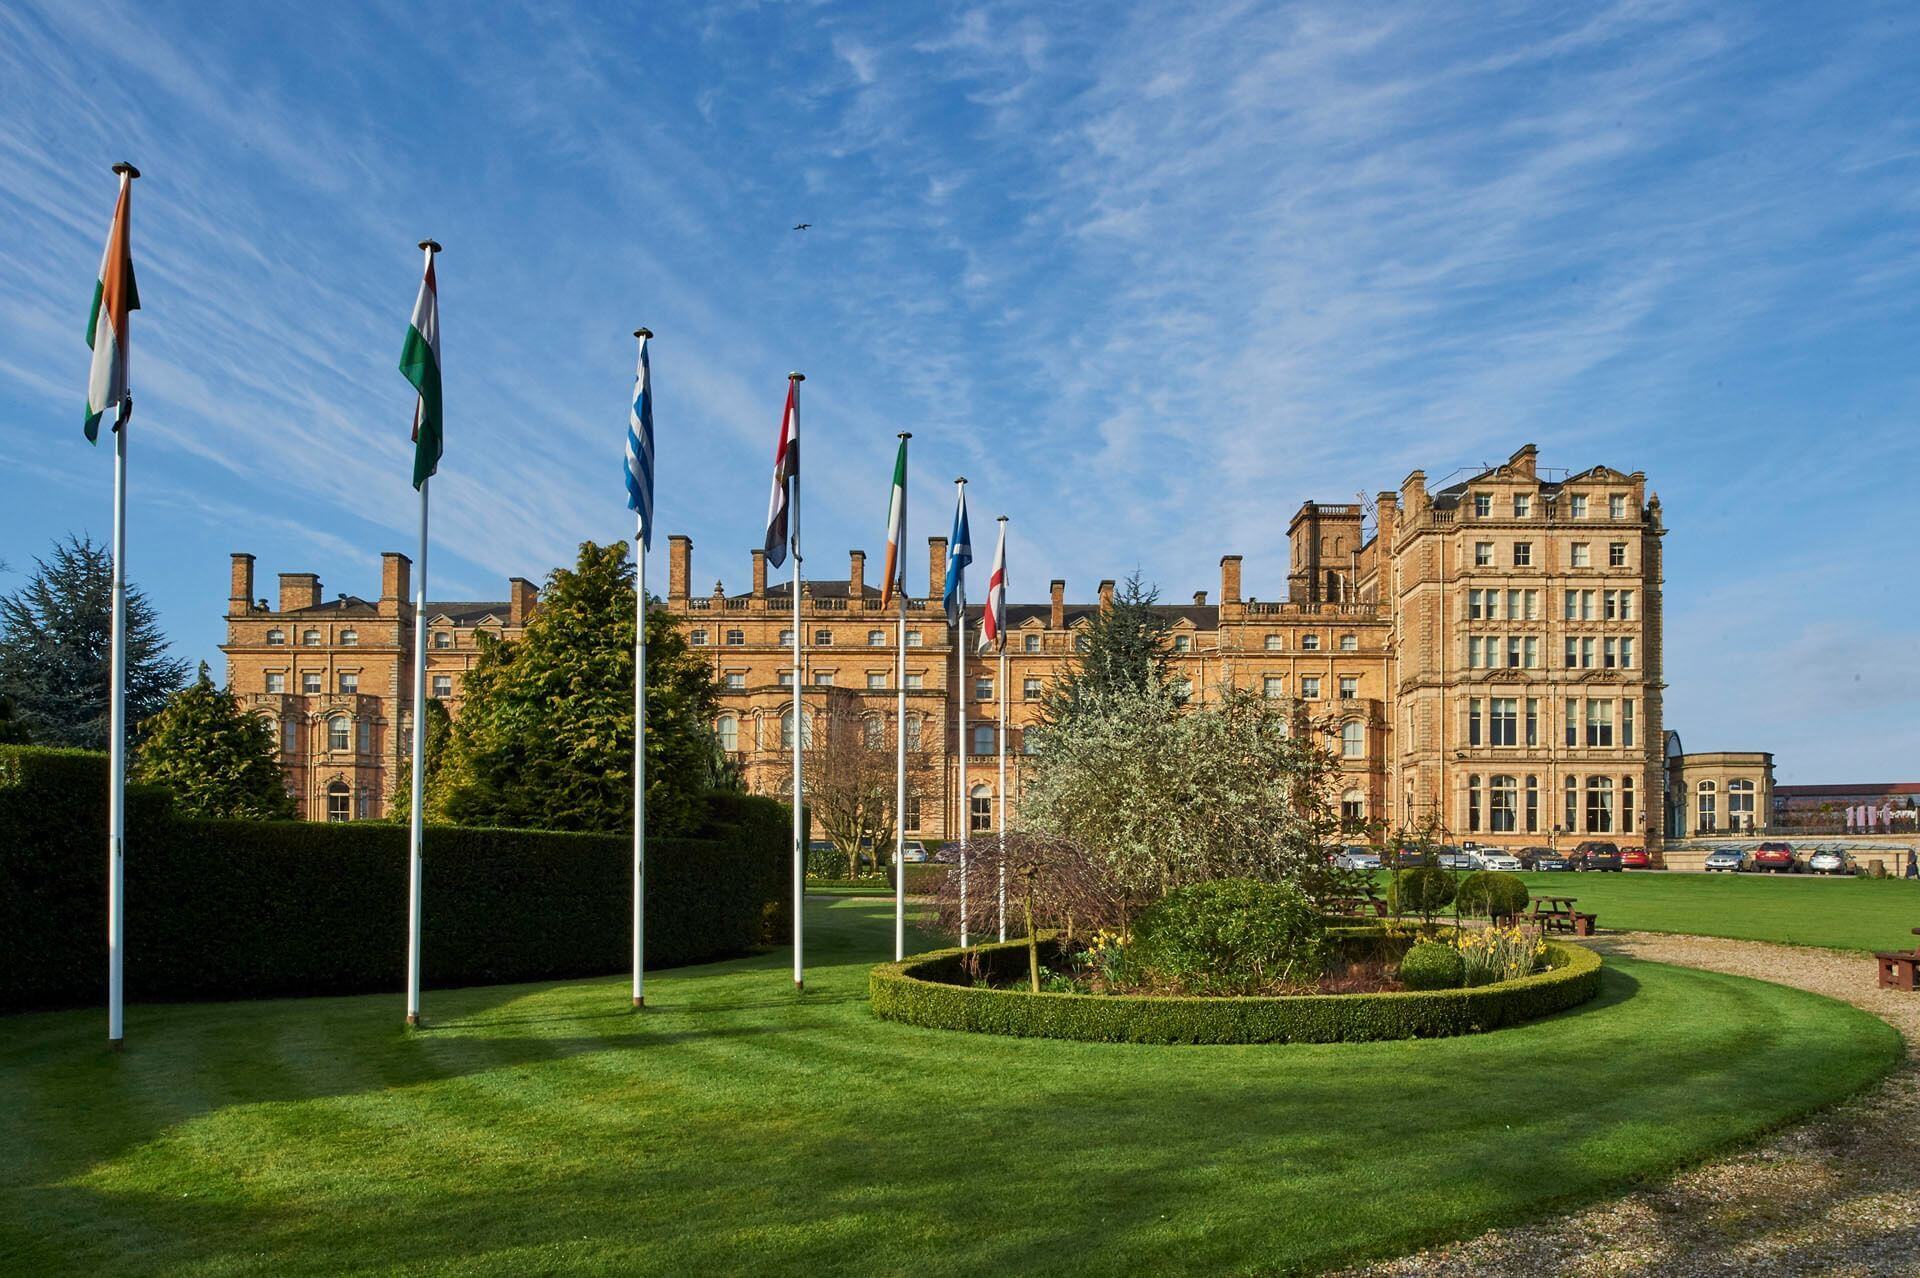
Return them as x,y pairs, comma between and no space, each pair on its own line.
801,226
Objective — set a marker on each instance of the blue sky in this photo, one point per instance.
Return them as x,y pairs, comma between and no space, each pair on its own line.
1148,275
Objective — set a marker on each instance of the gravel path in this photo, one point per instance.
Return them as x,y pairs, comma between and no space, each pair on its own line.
1855,1170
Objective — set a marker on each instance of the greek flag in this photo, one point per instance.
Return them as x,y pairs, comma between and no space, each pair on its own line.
640,446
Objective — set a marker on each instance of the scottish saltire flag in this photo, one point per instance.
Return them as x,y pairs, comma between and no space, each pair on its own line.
959,555
640,446
420,365
786,471
993,630
896,530
114,297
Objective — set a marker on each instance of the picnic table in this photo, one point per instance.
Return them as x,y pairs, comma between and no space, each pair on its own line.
1556,914
1359,905
1898,967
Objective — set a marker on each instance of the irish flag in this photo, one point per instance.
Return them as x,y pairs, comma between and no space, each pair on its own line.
114,297
896,528
420,364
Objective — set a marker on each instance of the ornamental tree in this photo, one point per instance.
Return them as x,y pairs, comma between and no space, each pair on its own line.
217,758
849,768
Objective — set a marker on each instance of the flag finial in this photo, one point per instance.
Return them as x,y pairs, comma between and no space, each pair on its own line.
796,377
906,434
643,332
128,169
431,246
1003,519
961,480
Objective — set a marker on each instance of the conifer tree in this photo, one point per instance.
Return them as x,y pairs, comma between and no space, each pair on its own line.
219,760
439,738
1125,649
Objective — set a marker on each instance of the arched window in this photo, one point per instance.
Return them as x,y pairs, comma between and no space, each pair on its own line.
913,732
310,638
728,730
340,733
1310,643
349,638
1503,805
1273,643
874,731
1708,802
339,802
1353,739
980,808
786,732
276,637
1740,805
442,639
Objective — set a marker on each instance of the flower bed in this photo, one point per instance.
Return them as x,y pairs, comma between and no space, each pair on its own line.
936,990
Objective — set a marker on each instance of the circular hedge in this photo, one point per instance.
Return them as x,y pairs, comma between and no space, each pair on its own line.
935,990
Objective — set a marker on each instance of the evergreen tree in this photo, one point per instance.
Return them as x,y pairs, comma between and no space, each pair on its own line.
219,760
439,737
545,734
56,649
1124,650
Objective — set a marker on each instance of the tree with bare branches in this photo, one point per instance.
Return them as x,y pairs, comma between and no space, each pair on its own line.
1052,884
849,770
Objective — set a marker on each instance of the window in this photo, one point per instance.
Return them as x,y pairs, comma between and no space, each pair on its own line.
1616,554
736,638
983,689
980,809
1478,605
290,736
983,738
1349,643
340,733
1708,801
913,638
349,638
275,638
786,678
1579,654
1503,801
1476,647
1740,806
728,730
1568,818
1473,804
1030,643
1504,721
1522,505
912,821
1573,721
1353,809
310,638
1473,721
1028,742
365,733
873,732
1582,555
1349,687
339,802
1608,653
1273,643
915,679
1616,506
1353,739
1182,643
786,732
443,685
1183,688
1310,687
442,639
1533,803
1599,805
876,638
1530,652
1626,805
363,803
1482,505
1030,690
1522,554
876,682
310,681
1530,605
1599,722
823,638
823,678
276,681
349,682
1483,554
1576,506
1273,687
1626,722
786,639
913,732
736,678
1626,654
1533,721
1513,651
1309,643
697,639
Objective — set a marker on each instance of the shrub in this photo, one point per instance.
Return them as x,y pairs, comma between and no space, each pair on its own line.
1431,965
1232,936
1491,894
219,909
1424,890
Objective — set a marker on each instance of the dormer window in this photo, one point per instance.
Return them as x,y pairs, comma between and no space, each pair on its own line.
1031,643
1576,506
1482,505
1182,643
1522,505
442,639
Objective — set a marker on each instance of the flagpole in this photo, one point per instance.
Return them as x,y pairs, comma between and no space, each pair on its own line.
416,823
799,729
900,742
117,707
966,813
1000,634
640,735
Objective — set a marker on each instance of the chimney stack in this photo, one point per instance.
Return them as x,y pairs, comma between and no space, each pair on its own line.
857,577
679,566
1199,598
936,567
1386,518
299,590
1106,594
240,591
522,595
396,578
1057,613
1230,579
759,574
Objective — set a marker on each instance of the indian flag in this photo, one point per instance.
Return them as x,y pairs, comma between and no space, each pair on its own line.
420,364
114,297
896,528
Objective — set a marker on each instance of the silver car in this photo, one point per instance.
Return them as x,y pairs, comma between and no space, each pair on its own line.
1357,858
1491,860
1725,859
1829,861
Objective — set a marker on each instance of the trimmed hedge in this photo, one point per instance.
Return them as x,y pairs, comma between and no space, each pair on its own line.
932,990
221,909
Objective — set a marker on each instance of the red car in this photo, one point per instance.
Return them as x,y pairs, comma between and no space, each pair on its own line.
1776,857
1635,859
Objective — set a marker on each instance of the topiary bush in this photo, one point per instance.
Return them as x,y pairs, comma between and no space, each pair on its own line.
1491,894
1231,936
1424,890
1433,966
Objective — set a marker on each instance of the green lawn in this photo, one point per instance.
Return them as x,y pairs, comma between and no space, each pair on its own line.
734,1128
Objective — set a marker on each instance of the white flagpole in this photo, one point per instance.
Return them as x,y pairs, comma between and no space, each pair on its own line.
417,818
960,643
640,737
900,745
1000,636
799,725
117,747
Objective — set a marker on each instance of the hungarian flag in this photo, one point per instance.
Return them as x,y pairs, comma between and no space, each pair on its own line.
114,297
896,529
786,470
420,364
993,631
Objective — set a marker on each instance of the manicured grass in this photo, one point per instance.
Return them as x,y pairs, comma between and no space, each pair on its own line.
851,887
733,1128
1794,909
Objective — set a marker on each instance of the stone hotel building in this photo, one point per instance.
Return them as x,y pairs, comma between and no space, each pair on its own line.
1487,654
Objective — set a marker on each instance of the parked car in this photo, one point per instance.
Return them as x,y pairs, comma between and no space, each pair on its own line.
1635,859
1829,861
1549,860
1776,858
1357,857
1530,856
1492,860
1407,856
1595,854
1727,860
1452,858
913,852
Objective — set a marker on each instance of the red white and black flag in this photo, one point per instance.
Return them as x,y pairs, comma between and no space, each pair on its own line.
786,476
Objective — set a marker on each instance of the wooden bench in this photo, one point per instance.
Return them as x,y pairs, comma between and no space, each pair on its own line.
1898,967
1359,905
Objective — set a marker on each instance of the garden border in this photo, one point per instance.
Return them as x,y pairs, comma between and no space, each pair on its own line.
906,992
